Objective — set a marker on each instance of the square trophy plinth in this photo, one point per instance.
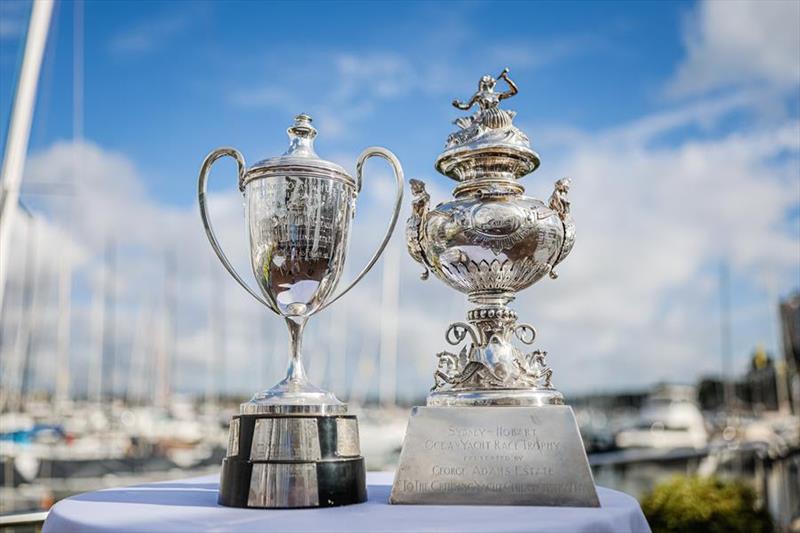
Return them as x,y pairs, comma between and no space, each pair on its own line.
494,456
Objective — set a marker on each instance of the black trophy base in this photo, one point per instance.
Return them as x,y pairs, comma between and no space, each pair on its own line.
284,461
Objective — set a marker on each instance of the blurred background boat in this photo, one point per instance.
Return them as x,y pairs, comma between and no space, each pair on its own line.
670,418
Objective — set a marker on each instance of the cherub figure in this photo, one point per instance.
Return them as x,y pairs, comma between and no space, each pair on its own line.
489,115
421,197
558,200
419,206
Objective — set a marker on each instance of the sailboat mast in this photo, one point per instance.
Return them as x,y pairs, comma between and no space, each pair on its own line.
725,337
19,128
169,328
108,363
387,374
11,392
337,345
63,377
62,388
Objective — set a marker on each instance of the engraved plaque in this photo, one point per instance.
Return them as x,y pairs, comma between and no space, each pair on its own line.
283,485
285,439
347,444
295,439
257,494
494,456
262,434
233,438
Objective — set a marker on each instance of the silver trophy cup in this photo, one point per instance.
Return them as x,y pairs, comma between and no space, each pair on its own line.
294,445
493,416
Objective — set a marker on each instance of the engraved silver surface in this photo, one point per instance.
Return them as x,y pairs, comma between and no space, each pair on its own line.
283,485
490,242
285,439
233,438
319,409
262,439
494,456
347,443
258,489
299,210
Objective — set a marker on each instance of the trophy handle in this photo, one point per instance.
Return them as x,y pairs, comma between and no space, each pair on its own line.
398,176
212,238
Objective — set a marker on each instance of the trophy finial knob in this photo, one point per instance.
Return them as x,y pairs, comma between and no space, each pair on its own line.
302,127
301,137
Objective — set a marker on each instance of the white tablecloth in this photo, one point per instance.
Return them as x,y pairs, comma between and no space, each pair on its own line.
191,505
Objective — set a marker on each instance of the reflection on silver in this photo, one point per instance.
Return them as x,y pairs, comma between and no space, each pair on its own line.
252,408
299,210
285,439
262,437
258,480
347,443
283,485
233,438
490,242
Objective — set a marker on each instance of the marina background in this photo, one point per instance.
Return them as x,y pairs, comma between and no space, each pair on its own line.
674,329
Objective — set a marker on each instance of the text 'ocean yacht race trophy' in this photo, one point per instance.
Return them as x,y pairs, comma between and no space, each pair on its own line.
495,430
294,445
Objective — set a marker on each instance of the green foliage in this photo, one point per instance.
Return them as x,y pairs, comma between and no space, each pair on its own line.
690,504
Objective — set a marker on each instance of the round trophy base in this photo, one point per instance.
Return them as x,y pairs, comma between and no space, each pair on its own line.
294,396
496,397
292,461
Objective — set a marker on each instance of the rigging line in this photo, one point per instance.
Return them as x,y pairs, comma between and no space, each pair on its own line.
77,70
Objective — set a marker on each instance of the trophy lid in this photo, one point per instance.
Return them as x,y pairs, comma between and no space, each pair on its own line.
487,143
300,159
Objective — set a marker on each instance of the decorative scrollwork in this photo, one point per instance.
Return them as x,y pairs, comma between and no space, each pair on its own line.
525,333
457,332
491,361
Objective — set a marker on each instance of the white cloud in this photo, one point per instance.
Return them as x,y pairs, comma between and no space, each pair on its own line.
635,302
109,206
740,43
13,18
149,36
349,86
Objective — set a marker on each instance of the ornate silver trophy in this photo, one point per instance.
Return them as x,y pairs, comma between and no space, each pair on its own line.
294,445
495,430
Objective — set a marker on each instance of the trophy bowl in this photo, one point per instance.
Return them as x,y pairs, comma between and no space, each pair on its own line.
299,229
492,246
294,445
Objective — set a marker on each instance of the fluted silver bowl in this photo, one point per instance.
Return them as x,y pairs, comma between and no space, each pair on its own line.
482,246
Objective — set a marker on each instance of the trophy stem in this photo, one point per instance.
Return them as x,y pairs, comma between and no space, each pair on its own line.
296,372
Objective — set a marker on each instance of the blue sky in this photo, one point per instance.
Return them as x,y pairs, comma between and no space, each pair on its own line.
165,82
678,122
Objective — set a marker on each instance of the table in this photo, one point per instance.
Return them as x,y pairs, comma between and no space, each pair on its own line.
191,505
